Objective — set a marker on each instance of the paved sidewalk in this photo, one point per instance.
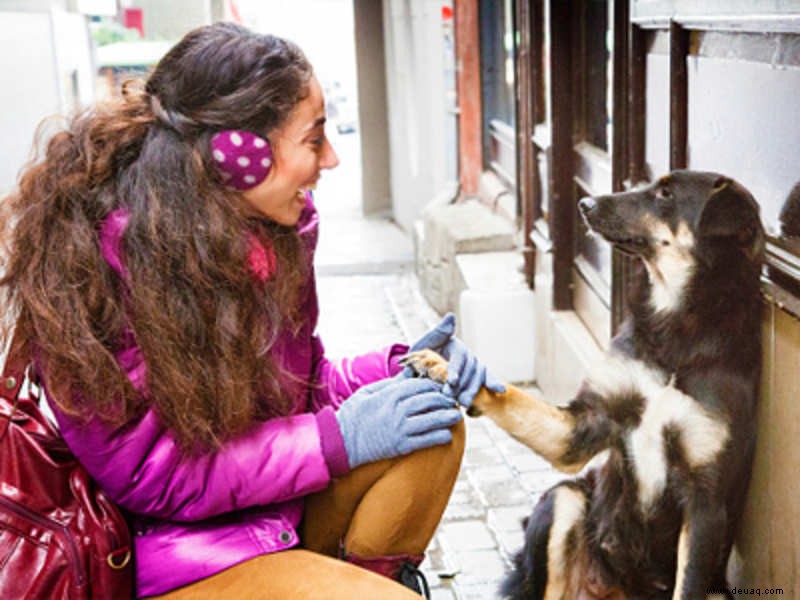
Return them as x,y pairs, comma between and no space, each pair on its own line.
369,297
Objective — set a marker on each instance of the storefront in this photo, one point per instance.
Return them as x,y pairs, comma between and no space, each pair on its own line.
609,94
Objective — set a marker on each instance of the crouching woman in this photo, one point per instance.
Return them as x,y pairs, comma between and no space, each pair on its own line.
160,255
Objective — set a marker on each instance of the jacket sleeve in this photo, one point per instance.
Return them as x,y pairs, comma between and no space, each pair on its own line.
336,380
142,468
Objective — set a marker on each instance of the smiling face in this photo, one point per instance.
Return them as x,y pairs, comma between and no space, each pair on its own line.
301,151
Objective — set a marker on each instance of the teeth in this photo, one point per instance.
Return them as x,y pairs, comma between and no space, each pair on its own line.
309,188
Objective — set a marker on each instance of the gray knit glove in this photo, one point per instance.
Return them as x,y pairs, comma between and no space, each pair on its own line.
396,416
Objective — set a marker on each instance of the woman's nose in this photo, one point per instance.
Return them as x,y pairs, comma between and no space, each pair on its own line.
329,158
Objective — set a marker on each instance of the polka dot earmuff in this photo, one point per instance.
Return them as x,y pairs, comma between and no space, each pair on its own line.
242,158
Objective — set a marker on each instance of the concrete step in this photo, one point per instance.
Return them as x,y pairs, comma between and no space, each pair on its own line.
451,230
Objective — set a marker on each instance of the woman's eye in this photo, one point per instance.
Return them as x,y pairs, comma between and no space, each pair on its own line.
318,141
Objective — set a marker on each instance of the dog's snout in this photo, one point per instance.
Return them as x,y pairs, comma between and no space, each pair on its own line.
586,204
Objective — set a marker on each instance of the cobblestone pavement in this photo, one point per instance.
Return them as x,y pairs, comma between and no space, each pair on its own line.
364,306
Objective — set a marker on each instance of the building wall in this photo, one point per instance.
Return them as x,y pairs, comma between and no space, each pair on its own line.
768,546
46,69
417,105
372,106
169,21
701,85
32,5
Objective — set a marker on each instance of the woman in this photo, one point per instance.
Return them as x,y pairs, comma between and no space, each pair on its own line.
161,260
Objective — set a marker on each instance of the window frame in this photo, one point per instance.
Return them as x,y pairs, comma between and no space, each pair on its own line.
499,136
781,274
596,296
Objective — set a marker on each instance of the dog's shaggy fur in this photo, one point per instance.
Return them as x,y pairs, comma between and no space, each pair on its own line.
673,405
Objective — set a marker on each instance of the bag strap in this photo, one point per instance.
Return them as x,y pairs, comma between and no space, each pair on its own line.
17,361
15,372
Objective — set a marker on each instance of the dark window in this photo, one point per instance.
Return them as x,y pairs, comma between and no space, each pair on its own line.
744,113
593,77
497,83
597,52
600,84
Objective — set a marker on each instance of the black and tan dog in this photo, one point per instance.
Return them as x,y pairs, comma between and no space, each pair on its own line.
673,403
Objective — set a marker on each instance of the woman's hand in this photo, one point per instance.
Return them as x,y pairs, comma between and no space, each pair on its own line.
395,416
465,374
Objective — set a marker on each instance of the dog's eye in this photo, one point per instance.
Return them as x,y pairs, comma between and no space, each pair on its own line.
664,203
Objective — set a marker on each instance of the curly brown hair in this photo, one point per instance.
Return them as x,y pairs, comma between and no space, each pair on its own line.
203,323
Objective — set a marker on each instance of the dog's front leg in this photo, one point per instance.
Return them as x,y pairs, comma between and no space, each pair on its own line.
548,430
699,547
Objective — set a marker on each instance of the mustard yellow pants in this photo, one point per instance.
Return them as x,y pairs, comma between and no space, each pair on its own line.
380,509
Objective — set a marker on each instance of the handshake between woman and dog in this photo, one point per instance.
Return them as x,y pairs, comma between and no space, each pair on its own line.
673,404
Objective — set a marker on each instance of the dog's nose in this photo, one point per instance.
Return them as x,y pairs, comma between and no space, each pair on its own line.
586,204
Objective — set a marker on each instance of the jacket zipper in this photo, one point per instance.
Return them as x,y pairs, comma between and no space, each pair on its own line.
53,526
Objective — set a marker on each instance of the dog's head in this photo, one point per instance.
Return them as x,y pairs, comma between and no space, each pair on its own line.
682,220
683,209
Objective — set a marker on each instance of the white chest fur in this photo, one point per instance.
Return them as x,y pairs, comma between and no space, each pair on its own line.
672,266
701,435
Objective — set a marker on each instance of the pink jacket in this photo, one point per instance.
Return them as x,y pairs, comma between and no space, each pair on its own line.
197,515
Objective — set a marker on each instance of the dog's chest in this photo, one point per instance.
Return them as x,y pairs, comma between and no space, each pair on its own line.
663,410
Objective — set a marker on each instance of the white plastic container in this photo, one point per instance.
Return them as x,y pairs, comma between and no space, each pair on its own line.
499,327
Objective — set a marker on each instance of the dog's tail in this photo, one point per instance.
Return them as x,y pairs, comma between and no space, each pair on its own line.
790,213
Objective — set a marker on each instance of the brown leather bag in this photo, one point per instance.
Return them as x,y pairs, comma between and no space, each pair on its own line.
60,536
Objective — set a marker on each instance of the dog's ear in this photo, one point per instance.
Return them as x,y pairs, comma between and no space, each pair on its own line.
731,212
790,213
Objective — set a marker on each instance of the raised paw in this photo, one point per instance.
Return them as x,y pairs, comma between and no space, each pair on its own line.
426,363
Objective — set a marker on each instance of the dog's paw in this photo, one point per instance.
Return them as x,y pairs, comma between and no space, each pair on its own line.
426,363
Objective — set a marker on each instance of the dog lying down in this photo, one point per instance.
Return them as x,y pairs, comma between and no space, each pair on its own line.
673,403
